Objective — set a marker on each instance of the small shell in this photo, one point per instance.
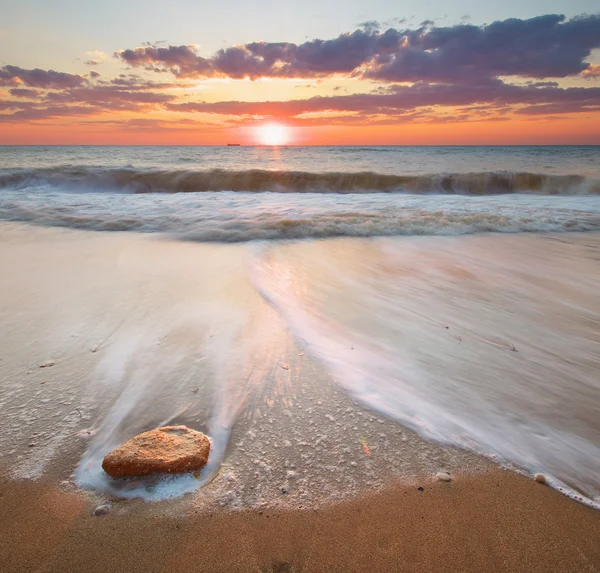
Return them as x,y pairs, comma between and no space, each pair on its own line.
102,510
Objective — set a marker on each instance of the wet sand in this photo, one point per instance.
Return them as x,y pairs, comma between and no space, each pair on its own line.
497,522
107,335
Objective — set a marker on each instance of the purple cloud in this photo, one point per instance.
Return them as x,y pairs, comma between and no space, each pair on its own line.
181,60
37,78
121,94
25,93
542,47
403,99
35,113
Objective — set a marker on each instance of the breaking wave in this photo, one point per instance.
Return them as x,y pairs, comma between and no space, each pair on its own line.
238,217
134,180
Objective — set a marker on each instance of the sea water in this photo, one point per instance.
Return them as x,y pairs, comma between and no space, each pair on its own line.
489,348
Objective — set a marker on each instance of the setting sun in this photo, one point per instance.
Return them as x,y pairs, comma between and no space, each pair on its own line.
273,134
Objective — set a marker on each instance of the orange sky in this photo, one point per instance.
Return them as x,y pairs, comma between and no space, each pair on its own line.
570,130
421,85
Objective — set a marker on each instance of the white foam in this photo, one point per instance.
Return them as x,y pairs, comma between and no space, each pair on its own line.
238,216
407,365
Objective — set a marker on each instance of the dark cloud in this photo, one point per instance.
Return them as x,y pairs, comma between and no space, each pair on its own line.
370,26
183,61
402,99
128,93
159,125
23,92
135,82
451,73
35,113
100,95
559,107
4,105
542,47
13,75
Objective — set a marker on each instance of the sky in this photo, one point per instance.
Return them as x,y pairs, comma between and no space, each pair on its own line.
316,72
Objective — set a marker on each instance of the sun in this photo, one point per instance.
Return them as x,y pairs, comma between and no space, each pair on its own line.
273,134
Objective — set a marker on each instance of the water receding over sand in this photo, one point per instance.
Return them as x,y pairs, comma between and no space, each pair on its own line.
313,366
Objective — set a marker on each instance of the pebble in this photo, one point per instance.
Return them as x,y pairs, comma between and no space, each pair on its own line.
443,476
102,510
540,478
47,364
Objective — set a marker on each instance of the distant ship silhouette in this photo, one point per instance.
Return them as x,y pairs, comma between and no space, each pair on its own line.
233,145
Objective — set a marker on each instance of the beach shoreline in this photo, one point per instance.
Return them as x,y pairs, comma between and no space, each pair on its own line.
499,521
109,334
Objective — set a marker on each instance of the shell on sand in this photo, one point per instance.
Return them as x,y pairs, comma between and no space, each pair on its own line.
102,510
540,478
443,476
170,449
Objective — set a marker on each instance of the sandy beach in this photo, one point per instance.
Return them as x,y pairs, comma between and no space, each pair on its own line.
106,335
498,522
299,287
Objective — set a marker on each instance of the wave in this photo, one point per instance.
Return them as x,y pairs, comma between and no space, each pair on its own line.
131,180
204,225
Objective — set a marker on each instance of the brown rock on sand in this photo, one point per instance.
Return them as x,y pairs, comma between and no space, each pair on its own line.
171,449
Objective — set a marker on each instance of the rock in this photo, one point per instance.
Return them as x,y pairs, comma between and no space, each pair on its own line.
170,449
540,478
443,476
48,364
102,510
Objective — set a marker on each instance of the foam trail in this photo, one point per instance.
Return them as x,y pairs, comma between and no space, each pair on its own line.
383,341
141,380
209,374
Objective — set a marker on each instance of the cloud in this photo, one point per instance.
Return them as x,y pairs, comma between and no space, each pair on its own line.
136,82
542,47
96,58
399,99
126,93
34,113
559,107
14,75
108,96
430,73
183,61
592,72
25,93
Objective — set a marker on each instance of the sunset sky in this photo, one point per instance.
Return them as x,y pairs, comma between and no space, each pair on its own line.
314,72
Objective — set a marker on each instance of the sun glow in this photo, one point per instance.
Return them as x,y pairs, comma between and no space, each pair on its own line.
273,134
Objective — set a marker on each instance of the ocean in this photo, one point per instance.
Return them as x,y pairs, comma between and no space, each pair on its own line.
404,272
247,193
